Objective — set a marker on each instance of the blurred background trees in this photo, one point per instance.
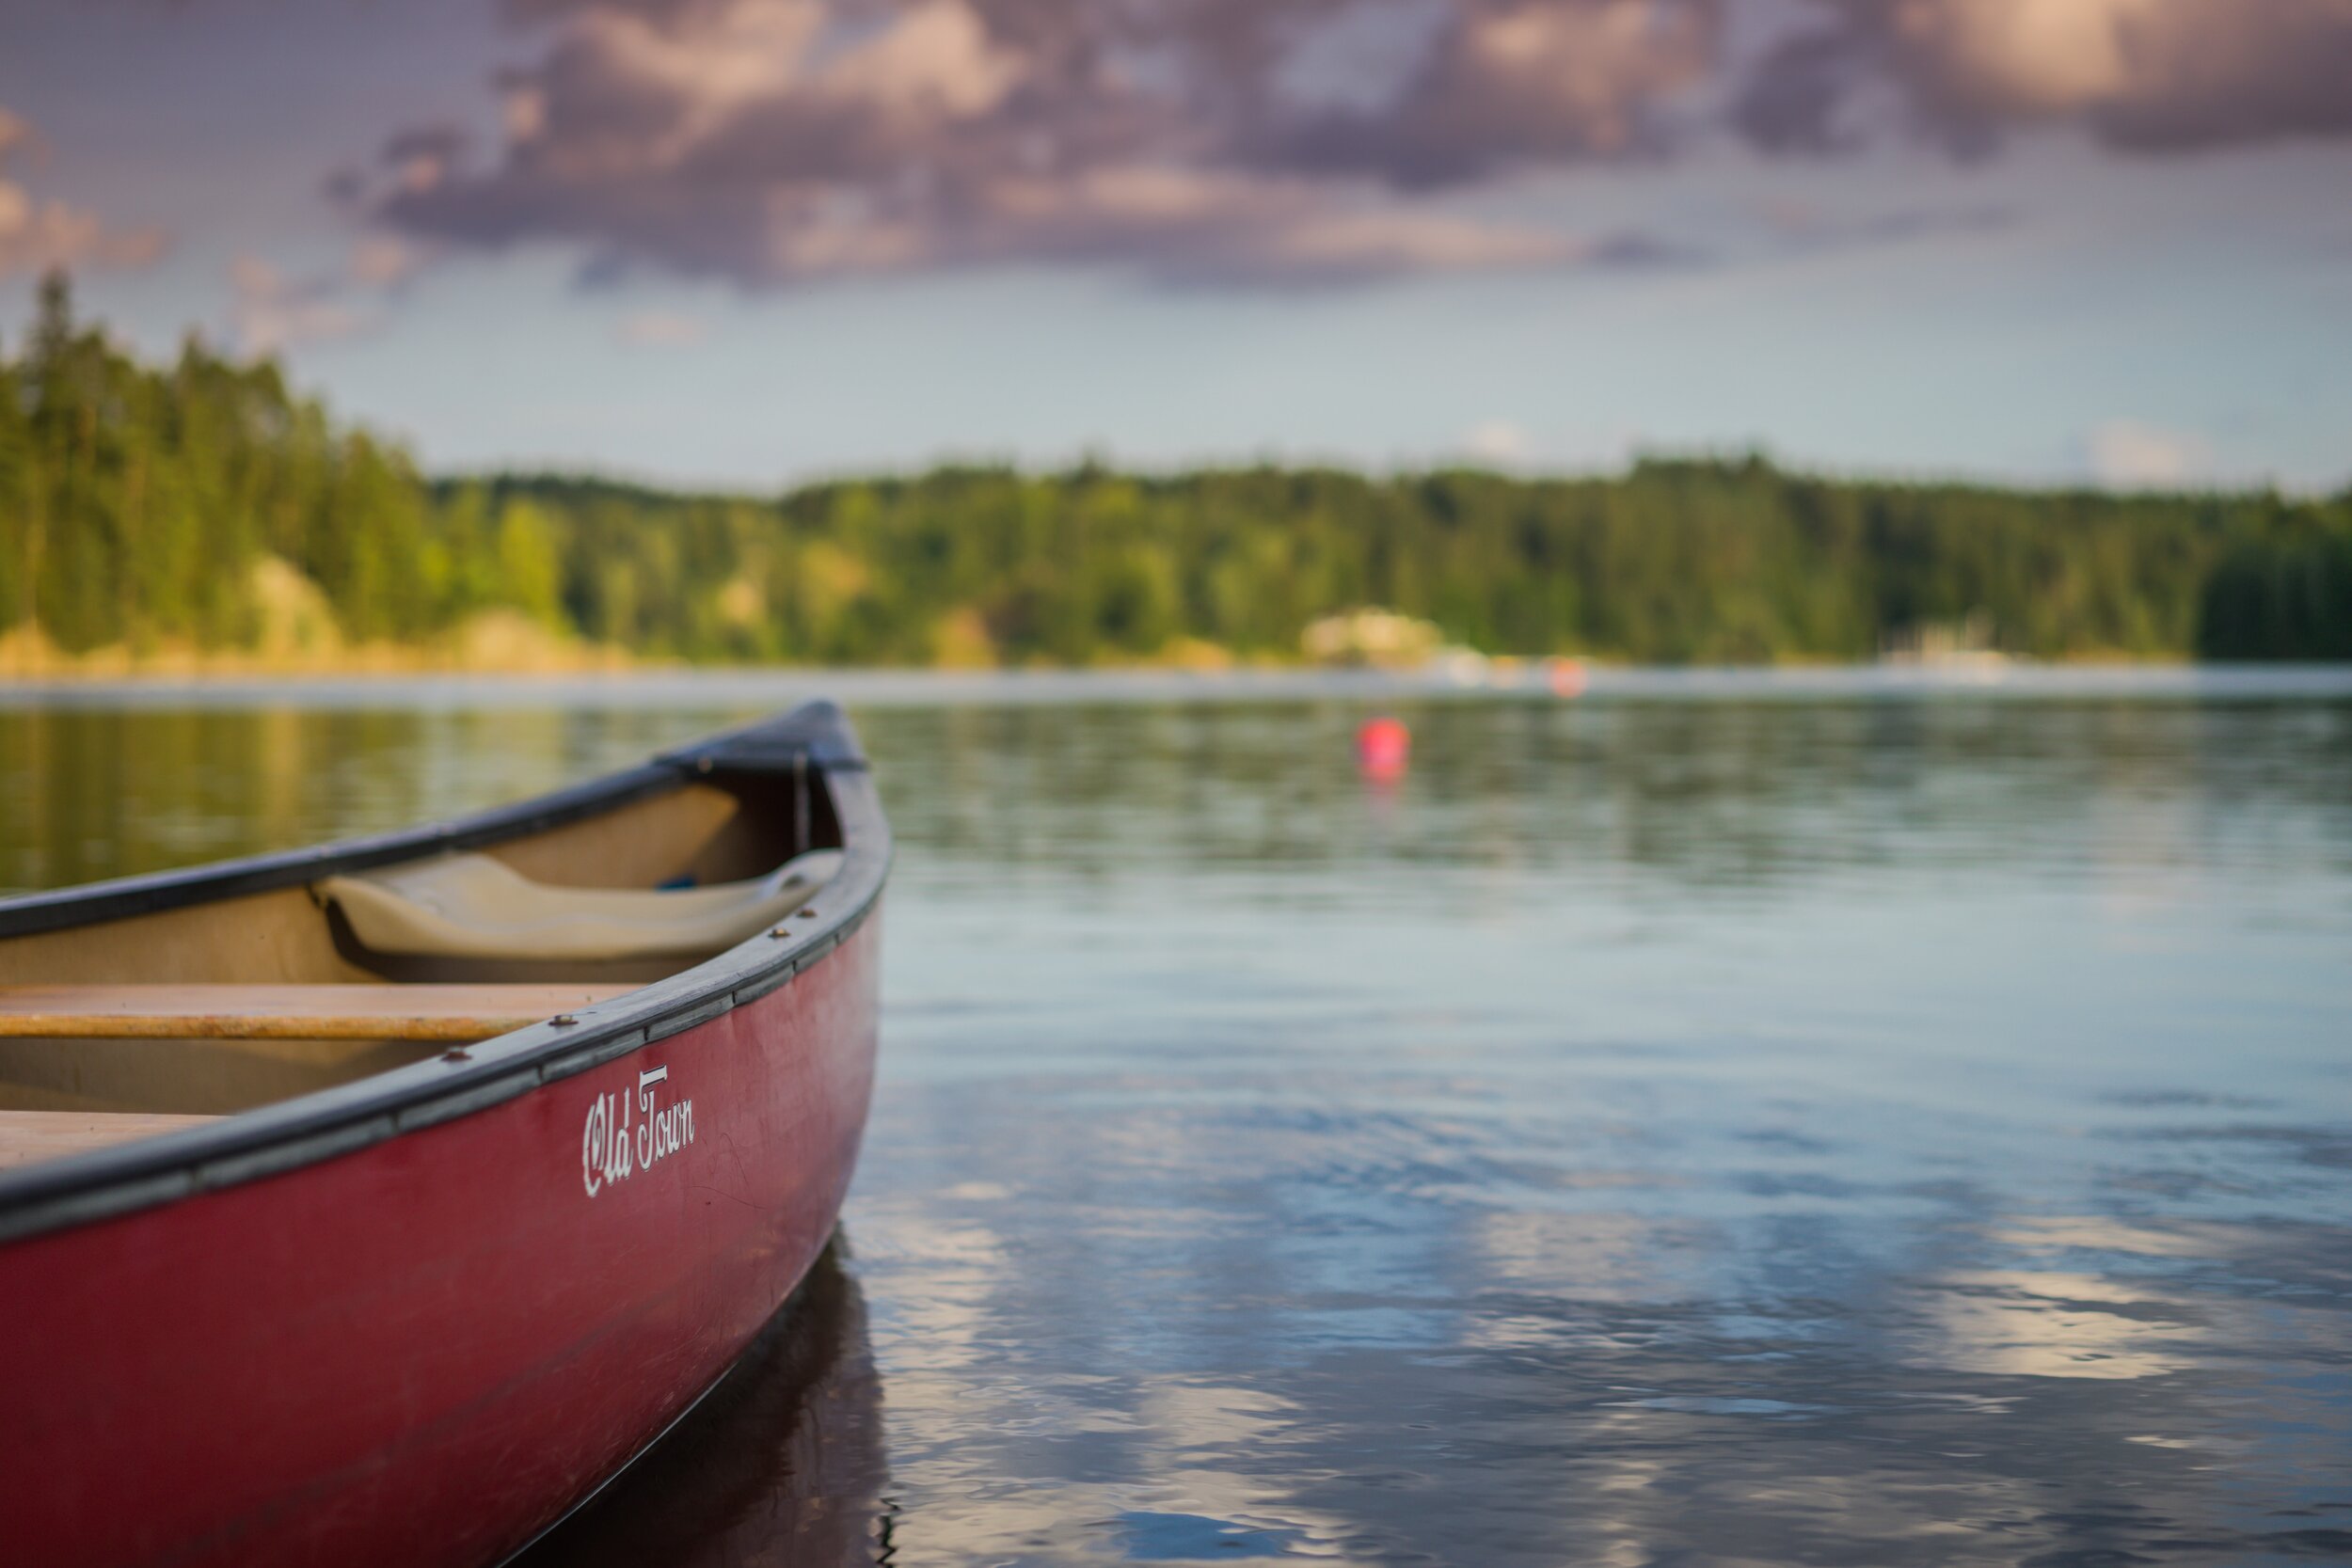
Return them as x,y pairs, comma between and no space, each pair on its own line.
204,505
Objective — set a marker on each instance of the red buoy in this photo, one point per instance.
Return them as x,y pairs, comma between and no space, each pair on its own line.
1383,746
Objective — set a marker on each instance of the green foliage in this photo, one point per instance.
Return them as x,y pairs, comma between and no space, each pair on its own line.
529,564
136,500
2283,591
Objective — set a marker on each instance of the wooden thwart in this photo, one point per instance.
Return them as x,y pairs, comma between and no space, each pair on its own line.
29,1135
358,1012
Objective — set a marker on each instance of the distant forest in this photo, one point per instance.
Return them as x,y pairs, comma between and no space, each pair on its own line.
139,504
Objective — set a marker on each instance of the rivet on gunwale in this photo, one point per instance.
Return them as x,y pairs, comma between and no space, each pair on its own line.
781,931
808,914
457,1053
564,1019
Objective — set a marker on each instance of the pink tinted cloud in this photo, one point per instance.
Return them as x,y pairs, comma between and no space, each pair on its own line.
38,233
775,140
1266,141
2142,76
271,311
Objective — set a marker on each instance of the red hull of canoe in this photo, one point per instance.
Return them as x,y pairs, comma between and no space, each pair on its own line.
425,1350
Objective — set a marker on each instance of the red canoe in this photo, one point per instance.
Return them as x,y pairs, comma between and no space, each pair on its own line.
378,1203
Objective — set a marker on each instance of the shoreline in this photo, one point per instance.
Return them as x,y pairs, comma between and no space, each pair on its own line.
732,685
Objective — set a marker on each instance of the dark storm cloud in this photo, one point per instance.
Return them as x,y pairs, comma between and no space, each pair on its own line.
1266,140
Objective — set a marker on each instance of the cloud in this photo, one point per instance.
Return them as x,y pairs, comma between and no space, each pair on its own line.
2142,76
421,158
381,261
1806,226
1221,141
37,234
1265,141
661,329
1499,87
271,311
1499,443
2126,455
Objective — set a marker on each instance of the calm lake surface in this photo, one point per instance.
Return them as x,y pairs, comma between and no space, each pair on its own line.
1714,1121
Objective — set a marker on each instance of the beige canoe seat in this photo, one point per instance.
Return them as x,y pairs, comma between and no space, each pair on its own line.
468,906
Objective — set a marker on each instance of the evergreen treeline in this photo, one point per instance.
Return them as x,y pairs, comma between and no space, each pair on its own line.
136,500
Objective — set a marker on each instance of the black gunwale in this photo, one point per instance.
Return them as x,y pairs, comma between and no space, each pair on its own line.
272,1139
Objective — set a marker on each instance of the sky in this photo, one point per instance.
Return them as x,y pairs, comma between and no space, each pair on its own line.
745,243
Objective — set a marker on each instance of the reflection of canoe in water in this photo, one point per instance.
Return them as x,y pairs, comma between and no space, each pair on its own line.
375,1204
784,1464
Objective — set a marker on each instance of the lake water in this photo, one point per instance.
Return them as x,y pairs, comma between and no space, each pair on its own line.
1718,1122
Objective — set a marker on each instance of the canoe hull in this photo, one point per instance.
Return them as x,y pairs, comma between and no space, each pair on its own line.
426,1349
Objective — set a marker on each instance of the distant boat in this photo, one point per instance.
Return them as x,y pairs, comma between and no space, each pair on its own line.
376,1203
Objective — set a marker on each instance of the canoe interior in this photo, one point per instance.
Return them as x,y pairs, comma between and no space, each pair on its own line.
118,1028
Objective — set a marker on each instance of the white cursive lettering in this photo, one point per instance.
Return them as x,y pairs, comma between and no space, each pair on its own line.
625,1133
